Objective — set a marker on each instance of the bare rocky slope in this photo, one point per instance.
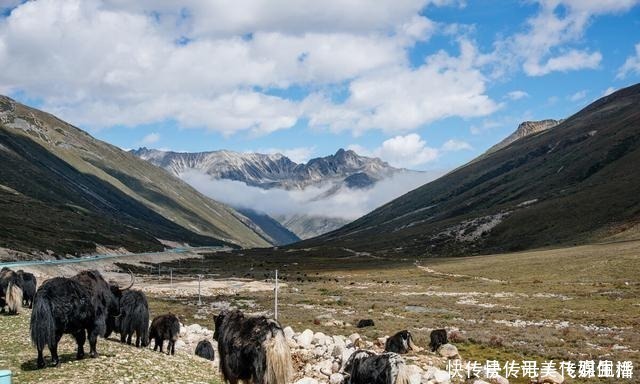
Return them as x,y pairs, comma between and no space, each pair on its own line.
571,184
65,192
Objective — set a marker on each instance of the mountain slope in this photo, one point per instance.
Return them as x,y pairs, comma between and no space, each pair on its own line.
63,190
278,233
571,184
525,129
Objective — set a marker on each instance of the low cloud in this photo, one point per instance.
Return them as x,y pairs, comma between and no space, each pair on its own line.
348,204
151,138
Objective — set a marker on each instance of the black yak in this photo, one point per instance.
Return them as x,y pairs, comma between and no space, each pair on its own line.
366,367
438,338
10,291
365,323
29,284
204,349
165,327
62,305
401,343
133,318
252,349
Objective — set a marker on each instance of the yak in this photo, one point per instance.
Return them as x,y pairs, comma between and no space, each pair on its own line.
438,338
29,284
366,367
401,343
79,306
62,305
10,291
133,318
252,349
165,327
204,349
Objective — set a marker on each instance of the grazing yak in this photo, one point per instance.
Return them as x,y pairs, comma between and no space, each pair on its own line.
363,323
10,291
438,338
204,349
78,306
401,343
252,349
165,327
366,367
133,318
29,285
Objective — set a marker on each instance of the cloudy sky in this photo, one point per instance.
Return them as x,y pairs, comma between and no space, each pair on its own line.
424,84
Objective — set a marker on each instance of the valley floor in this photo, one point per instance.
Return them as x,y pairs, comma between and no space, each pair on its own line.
579,303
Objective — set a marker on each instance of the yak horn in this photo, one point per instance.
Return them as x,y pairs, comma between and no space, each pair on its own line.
133,280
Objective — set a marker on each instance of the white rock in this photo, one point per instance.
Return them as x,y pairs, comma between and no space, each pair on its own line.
552,378
180,344
307,380
339,340
337,350
449,351
498,380
441,377
336,378
415,374
304,339
478,381
288,333
194,328
320,350
354,337
319,338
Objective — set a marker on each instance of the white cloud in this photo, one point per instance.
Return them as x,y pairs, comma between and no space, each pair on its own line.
151,138
631,65
517,95
347,204
297,155
102,63
542,49
456,145
578,95
402,99
609,91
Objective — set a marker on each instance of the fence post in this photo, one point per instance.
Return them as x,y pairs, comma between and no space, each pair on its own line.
199,297
276,296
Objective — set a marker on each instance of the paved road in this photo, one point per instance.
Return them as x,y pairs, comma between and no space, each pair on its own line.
24,263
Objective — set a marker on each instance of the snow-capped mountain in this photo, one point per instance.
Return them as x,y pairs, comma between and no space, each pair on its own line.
319,179
274,170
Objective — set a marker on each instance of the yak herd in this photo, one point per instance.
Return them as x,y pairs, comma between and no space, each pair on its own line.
251,349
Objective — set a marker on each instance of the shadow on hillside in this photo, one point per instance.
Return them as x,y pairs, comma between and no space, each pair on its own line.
32,365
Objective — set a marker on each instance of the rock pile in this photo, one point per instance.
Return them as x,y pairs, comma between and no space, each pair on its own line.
319,358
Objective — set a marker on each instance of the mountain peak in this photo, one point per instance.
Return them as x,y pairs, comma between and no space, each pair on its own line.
526,128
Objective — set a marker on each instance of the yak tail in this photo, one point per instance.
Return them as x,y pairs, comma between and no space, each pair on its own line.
279,366
403,374
14,298
42,323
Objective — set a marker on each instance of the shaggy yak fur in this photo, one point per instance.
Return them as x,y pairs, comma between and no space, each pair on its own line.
401,342
63,305
366,367
10,291
438,338
133,318
165,327
29,285
204,349
252,349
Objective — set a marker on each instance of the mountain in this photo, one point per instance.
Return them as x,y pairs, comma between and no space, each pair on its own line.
525,129
63,191
333,173
575,183
272,170
278,233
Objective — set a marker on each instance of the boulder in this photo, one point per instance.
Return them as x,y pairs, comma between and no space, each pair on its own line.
336,378
551,378
307,380
337,350
498,380
354,337
339,340
305,338
441,377
415,374
449,351
478,381
319,338
288,333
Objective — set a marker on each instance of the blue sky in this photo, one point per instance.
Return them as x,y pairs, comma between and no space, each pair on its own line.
422,84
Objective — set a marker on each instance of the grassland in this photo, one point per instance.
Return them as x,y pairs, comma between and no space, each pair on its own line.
573,304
